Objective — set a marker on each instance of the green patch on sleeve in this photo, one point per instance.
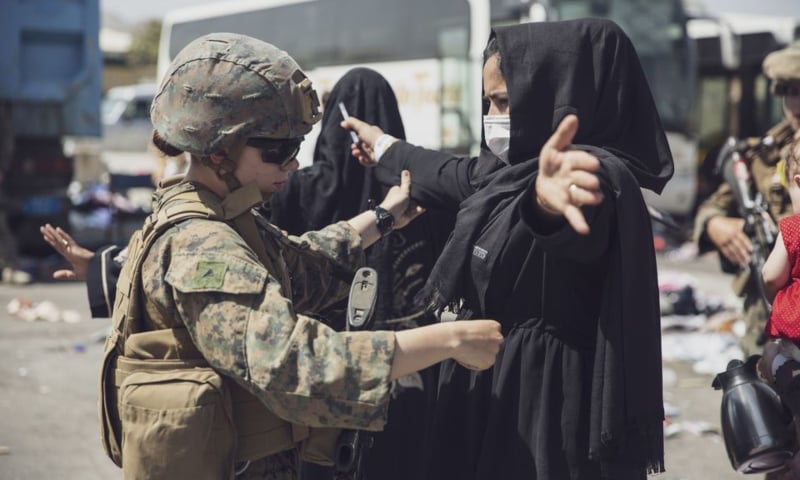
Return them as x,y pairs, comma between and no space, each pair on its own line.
209,274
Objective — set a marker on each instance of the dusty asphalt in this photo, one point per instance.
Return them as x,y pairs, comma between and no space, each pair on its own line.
48,384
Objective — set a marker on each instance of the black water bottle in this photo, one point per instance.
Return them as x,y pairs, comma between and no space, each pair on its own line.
758,429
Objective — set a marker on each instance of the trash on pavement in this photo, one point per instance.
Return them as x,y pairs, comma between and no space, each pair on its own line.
23,308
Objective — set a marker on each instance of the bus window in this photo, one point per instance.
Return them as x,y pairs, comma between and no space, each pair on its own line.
319,33
457,78
658,32
712,113
421,47
769,108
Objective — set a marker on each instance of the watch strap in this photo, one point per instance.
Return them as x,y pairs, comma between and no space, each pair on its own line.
384,220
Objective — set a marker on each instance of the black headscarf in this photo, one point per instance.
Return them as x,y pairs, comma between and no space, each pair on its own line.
335,187
587,67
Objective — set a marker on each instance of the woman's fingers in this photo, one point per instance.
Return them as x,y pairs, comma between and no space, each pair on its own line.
366,132
405,183
64,275
575,218
567,179
53,238
579,160
562,138
354,124
63,235
579,196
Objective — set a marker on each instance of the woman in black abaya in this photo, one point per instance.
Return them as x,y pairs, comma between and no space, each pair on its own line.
336,188
557,246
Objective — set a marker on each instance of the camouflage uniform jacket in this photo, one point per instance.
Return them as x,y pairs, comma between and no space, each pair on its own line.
200,273
767,179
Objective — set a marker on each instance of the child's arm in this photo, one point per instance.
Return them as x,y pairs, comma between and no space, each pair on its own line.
776,269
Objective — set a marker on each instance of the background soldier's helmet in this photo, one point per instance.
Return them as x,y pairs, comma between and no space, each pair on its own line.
224,88
784,65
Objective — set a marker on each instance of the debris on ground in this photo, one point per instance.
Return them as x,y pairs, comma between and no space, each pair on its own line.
23,308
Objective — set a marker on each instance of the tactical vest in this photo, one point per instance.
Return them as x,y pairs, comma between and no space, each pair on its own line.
164,412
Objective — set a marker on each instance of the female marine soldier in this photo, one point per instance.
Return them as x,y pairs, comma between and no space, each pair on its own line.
218,370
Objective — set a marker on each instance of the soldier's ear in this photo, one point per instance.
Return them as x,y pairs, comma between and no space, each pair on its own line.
216,158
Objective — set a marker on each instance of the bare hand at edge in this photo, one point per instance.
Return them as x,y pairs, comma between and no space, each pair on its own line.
66,246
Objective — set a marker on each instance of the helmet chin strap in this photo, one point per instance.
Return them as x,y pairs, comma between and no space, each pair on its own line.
227,166
225,171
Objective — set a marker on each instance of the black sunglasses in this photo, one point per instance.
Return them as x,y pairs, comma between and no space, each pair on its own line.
787,89
280,151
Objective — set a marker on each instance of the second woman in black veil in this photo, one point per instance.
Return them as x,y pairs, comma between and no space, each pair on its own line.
335,187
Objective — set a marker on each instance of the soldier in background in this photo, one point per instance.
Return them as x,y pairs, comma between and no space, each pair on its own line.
718,224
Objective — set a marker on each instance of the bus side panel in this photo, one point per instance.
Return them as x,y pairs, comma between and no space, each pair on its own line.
51,66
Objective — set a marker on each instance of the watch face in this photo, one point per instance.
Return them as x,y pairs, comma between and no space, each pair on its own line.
384,221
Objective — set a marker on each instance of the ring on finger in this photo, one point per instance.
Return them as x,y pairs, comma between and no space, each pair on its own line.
65,242
572,189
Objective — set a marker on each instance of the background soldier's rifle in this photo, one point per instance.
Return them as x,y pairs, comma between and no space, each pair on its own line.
758,225
352,446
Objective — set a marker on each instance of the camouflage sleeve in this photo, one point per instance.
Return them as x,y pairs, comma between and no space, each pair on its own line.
302,370
339,241
721,203
322,266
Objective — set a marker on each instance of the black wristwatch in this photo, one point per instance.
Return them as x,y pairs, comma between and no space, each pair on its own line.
384,220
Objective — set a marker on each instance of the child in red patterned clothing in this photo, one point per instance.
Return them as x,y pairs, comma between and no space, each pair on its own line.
781,274
781,271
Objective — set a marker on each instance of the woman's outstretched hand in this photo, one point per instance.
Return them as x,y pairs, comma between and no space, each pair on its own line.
368,134
567,179
66,246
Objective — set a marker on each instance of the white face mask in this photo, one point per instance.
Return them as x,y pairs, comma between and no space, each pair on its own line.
497,133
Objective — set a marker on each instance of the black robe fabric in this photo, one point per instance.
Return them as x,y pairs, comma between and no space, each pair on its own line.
336,187
576,390
101,280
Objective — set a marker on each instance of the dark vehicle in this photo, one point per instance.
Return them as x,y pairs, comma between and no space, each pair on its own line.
50,88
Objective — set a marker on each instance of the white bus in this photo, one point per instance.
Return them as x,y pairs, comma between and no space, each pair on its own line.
430,51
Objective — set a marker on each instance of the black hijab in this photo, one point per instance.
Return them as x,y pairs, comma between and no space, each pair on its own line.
335,187
587,67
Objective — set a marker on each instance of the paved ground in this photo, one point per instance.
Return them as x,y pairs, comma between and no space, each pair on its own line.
48,384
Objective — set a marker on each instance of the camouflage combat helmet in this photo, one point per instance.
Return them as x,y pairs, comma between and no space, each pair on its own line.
224,88
784,65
